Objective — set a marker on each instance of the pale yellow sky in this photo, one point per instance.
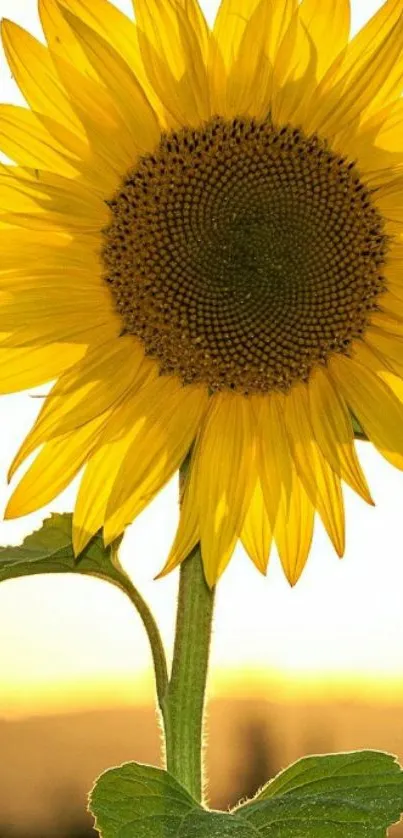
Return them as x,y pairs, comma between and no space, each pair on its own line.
343,618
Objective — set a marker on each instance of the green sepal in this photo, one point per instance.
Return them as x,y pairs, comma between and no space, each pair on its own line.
50,550
352,795
359,432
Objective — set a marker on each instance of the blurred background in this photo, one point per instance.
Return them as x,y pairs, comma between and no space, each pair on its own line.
313,669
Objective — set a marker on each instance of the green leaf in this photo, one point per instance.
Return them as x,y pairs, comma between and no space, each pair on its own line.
359,432
356,795
50,550
139,800
349,795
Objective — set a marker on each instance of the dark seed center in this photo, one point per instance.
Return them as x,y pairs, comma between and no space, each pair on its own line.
243,255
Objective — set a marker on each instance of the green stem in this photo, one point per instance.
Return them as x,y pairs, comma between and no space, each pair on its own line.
150,625
183,707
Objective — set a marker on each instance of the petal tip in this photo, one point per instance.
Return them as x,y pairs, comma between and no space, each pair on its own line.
11,511
12,470
211,576
262,567
80,540
293,577
164,572
7,27
112,531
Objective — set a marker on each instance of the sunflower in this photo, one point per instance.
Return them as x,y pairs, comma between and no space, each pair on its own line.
202,244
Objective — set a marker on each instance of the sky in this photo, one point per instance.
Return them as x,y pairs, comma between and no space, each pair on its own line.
67,641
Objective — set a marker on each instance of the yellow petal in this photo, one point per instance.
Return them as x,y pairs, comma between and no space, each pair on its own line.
173,57
25,140
250,76
230,24
101,472
256,533
115,28
34,72
51,279
294,75
198,22
99,177
328,24
321,483
51,200
121,82
274,461
23,368
385,322
101,363
366,356
282,15
16,200
53,469
32,328
366,146
223,455
44,315
395,382
377,146
167,416
389,199
395,283
187,534
86,391
41,221
34,139
389,347
378,28
47,278
371,35
97,111
356,90
59,36
23,249
70,201
391,306
334,433
376,407
389,127
294,529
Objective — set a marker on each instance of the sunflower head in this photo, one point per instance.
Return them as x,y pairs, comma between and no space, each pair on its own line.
202,243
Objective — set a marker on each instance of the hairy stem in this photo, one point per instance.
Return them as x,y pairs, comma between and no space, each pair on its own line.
184,704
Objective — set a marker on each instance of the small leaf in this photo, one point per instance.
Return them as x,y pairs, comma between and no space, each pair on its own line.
355,795
50,550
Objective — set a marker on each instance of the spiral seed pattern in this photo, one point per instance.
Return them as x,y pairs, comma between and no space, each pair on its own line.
243,255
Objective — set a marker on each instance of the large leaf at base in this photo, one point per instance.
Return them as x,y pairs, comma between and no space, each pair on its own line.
356,795
50,550
352,795
139,800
